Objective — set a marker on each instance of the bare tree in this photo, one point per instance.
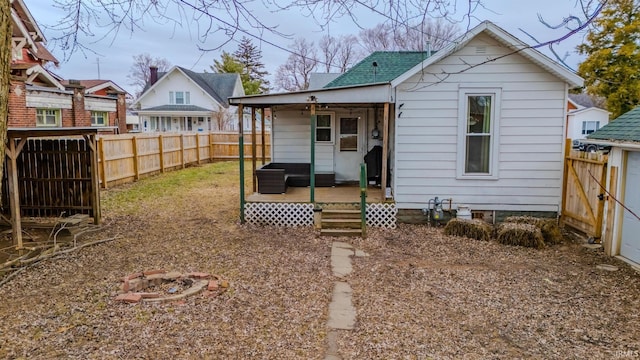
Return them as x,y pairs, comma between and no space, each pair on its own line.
139,73
436,33
339,53
222,118
378,38
5,73
433,33
329,47
294,74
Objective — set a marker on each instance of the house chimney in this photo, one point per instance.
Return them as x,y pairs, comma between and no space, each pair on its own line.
153,76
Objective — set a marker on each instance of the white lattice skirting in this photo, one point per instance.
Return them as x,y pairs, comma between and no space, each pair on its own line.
382,215
279,214
301,214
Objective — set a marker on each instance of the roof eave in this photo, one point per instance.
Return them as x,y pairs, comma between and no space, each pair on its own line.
369,93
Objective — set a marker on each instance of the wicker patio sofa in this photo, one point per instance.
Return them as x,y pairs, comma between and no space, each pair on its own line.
273,178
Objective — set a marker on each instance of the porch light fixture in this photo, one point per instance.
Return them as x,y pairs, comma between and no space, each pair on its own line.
375,133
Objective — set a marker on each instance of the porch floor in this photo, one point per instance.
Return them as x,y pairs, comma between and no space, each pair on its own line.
336,194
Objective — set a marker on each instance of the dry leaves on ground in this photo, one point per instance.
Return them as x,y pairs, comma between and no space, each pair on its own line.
418,295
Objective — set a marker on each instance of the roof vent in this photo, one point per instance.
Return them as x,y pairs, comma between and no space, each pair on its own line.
375,67
481,49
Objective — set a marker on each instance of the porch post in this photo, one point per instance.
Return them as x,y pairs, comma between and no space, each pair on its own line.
14,193
253,148
385,150
312,175
241,160
264,147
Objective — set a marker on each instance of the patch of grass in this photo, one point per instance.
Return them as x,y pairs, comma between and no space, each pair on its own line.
127,198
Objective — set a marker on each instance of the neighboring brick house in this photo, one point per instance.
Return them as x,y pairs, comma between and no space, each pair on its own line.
39,98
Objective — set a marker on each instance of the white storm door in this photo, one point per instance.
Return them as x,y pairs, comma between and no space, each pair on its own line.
348,148
630,246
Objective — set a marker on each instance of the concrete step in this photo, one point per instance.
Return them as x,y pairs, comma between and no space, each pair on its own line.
341,232
341,223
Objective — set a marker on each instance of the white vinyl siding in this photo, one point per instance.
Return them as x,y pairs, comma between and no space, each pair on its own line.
528,139
291,140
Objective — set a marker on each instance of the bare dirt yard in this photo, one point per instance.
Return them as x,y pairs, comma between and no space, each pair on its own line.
418,295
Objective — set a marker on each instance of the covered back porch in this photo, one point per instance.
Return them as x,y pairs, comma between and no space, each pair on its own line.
329,131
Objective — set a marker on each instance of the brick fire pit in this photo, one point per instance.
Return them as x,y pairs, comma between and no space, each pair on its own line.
174,285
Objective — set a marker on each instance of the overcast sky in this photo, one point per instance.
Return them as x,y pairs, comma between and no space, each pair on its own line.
179,44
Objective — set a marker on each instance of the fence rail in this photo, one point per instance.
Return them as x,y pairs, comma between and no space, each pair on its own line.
129,157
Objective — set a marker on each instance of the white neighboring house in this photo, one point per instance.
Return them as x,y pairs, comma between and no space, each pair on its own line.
583,120
184,100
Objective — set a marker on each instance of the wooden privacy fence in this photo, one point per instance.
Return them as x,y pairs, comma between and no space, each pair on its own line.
54,177
128,157
583,198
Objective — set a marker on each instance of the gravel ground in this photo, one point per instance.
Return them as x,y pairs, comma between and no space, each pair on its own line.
419,295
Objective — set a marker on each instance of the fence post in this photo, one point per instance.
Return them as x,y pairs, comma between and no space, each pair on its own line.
198,148
160,143
210,146
182,150
136,171
565,178
103,164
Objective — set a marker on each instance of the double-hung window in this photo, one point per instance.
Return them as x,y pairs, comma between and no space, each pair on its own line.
179,97
47,117
478,126
99,118
324,128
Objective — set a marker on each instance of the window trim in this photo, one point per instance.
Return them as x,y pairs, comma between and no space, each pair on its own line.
105,118
58,115
332,129
494,147
186,97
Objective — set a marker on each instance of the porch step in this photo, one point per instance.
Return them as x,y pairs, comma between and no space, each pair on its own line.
341,232
341,214
341,222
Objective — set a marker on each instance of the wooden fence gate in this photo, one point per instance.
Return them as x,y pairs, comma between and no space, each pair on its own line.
583,197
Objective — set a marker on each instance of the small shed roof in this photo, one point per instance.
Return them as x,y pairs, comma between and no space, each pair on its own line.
15,133
625,128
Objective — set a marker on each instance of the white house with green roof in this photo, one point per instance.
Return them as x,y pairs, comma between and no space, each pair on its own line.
185,100
623,174
481,122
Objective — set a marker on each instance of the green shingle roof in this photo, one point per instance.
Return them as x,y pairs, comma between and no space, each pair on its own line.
625,127
391,64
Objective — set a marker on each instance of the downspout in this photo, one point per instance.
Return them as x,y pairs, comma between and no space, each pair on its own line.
241,156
